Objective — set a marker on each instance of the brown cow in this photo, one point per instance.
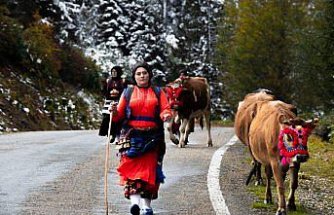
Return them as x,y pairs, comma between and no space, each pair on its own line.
189,98
243,118
246,113
263,129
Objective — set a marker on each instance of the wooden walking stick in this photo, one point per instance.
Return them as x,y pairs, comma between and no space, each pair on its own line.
106,164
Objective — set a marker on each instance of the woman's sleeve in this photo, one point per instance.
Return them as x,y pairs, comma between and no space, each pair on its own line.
120,110
164,105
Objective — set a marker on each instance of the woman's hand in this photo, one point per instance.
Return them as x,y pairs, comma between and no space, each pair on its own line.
113,108
166,117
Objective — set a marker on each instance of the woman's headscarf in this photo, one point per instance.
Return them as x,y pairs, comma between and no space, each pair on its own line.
118,70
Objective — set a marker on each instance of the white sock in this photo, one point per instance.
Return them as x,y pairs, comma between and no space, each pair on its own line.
146,203
135,199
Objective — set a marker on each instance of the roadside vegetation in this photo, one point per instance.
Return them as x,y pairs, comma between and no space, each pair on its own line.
283,46
44,84
286,47
259,191
222,123
321,160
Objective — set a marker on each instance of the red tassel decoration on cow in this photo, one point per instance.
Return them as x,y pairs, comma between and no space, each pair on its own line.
293,141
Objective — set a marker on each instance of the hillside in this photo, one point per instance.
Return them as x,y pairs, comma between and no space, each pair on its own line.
24,106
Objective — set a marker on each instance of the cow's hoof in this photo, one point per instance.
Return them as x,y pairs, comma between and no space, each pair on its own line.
280,211
210,144
181,144
175,141
267,201
259,182
292,207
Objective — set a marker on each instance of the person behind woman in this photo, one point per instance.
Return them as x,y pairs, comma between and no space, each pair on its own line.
183,74
140,166
112,90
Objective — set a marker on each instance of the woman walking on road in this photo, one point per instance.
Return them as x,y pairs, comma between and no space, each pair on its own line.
112,90
142,109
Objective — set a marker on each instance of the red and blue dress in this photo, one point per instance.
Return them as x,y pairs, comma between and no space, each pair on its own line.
139,174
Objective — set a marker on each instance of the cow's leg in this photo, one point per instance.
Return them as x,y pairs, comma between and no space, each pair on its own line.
208,127
191,125
184,123
269,174
280,186
172,137
293,186
189,128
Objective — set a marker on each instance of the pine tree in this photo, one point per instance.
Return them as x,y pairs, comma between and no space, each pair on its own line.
147,40
194,25
134,29
314,74
259,52
111,31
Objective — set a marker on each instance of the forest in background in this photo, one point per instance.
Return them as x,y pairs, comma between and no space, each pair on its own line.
284,46
240,46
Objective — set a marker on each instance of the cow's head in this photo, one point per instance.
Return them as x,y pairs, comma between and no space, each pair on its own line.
174,91
294,137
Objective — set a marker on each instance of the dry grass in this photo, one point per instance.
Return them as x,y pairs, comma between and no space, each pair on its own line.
321,160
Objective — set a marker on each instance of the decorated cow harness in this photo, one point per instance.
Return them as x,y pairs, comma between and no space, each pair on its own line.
173,92
293,142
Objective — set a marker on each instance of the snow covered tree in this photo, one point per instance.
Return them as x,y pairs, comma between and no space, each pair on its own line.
194,25
147,41
77,21
112,26
132,30
170,35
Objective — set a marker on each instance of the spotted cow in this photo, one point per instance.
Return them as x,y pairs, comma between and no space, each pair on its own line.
189,99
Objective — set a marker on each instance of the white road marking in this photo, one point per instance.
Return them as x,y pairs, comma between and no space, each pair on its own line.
216,196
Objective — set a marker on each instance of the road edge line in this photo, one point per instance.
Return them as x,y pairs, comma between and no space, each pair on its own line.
216,196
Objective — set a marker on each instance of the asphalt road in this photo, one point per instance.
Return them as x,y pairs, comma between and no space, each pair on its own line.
61,172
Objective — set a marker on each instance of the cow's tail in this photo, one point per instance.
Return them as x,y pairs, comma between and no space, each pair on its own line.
251,173
201,122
